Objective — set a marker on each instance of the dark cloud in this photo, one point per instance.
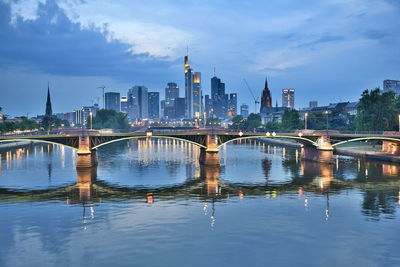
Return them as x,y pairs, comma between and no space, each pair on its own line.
55,45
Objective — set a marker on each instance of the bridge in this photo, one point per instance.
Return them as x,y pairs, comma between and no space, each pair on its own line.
316,145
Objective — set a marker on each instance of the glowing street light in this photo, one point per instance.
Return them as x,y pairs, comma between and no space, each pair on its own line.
305,120
240,133
149,134
91,120
268,134
399,122
274,134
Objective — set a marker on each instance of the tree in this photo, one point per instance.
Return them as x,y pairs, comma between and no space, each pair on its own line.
291,120
109,119
273,126
237,122
377,111
252,122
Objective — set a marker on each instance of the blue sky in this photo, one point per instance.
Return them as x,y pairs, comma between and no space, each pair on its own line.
327,50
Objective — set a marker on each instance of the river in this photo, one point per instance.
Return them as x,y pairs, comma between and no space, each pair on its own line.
149,203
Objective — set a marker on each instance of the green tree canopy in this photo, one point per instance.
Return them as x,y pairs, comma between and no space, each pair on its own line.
109,119
377,111
291,120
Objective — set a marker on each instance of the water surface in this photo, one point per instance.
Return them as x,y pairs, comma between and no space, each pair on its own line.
152,204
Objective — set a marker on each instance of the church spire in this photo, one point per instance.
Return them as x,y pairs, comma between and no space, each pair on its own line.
49,111
266,99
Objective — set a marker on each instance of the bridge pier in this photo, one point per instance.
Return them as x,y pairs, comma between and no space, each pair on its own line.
87,158
323,153
210,156
391,148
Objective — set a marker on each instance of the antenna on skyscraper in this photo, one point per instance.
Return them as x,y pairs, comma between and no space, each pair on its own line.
214,71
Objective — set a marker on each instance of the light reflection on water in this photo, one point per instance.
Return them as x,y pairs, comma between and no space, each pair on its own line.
151,203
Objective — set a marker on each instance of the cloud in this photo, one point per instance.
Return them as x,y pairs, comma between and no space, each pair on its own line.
51,43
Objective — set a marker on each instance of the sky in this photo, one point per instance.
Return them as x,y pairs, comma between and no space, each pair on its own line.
329,50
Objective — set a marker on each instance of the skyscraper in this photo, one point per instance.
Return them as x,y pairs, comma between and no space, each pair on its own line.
244,110
232,104
266,99
138,103
124,104
188,89
179,107
218,98
288,98
113,101
171,93
49,110
197,95
208,106
391,85
154,105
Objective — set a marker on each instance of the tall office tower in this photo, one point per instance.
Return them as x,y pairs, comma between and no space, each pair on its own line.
124,104
288,98
197,95
244,110
180,107
154,105
208,106
188,89
391,85
113,101
232,104
313,104
49,110
218,98
138,103
266,99
171,93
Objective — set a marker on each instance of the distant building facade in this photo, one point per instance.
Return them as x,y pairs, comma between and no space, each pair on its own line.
313,104
138,103
232,105
154,105
244,110
113,101
288,98
391,86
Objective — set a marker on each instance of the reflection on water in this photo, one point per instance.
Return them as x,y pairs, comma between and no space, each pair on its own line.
154,193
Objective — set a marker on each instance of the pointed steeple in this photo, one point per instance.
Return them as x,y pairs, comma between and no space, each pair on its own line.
266,99
49,111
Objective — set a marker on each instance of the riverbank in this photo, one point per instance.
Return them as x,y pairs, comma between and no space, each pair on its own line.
360,151
367,154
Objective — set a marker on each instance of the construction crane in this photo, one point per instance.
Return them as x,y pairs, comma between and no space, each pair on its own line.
104,101
256,100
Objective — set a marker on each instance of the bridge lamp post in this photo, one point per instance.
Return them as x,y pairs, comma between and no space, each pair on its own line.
399,122
240,133
91,120
305,121
327,116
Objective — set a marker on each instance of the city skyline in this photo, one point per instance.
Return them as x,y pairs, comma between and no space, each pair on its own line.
342,47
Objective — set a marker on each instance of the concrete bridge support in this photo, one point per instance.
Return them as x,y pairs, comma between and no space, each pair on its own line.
87,158
391,148
209,156
323,153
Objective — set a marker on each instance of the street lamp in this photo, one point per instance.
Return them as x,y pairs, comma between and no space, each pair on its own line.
305,121
327,116
399,122
91,120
